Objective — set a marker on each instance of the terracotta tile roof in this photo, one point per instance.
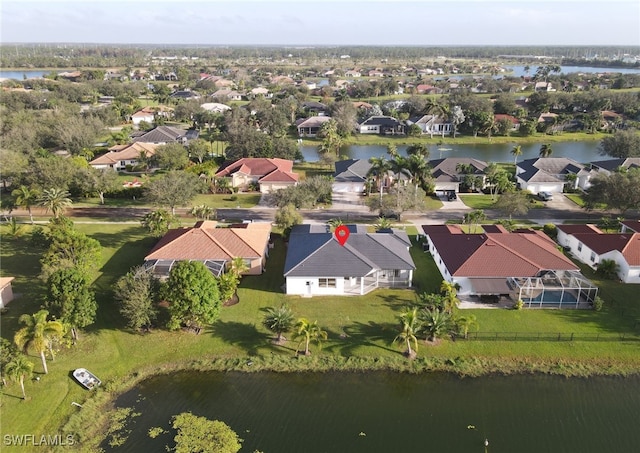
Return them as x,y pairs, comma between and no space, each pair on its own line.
628,244
259,166
279,176
131,151
205,241
498,254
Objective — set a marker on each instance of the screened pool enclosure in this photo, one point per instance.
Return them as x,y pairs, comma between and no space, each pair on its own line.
558,288
161,268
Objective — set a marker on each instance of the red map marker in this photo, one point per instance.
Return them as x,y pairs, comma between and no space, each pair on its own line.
342,234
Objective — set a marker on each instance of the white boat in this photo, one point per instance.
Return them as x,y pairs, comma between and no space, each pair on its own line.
87,379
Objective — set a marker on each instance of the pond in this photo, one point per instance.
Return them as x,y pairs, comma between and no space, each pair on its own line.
388,412
579,151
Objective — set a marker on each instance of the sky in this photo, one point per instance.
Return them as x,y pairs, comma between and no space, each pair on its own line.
327,22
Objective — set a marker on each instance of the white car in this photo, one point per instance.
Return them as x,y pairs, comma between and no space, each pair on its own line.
545,196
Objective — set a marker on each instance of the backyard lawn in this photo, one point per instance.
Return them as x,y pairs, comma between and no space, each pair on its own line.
357,327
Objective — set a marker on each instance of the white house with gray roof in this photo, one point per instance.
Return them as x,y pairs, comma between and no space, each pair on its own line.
351,175
317,264
548,174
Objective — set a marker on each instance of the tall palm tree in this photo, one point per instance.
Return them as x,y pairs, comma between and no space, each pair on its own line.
279,321
419,170
38,333
379,168
409,327
18,369
516,152
450,292
202,212
546,150
308,332
26,198
382,223
55,200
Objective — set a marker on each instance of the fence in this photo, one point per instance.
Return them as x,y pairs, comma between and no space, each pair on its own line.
549,336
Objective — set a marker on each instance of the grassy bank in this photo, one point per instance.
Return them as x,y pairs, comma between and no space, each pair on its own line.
361,332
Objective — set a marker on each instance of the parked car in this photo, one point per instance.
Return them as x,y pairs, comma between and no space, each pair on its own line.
452,196
545,196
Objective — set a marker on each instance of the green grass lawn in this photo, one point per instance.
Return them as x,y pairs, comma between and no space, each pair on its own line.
357,326
576,198
478,201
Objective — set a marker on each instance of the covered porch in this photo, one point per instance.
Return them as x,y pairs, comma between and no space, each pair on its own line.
396,278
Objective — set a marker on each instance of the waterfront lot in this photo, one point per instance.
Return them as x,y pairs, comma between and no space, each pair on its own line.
362,327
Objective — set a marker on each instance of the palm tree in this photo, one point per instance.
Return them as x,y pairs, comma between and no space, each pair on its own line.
18,369
379,168
546,150
55,200
382,223
450,292
434,322
38,333
516,152
26,198
608,269
474,218
465,323
335,223
309,331
202,212
419,169
409,327
239,266
279,321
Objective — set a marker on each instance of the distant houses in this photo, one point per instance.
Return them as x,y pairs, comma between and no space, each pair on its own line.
121,157
269,174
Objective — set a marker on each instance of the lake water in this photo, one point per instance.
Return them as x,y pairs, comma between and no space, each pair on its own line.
579,151
518,71
389,412
20,75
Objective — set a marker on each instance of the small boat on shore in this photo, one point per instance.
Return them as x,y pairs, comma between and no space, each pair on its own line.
87,379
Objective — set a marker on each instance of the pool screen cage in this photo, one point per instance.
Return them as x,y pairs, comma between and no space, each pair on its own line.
559,288
162,268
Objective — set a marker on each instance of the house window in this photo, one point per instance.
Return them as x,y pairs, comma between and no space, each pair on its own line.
327,283
396,273
593,256
579,246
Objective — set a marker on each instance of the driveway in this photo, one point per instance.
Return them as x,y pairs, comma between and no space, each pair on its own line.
453,205
348,201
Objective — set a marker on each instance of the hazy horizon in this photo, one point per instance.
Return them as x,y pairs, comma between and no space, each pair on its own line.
311,23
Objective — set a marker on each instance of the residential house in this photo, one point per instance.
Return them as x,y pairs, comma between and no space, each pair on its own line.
270,174
119,157
382,125
427,89
161,135
606,167
354,73
543,86
549,174
185,95
515,122
146,114
261,91
215,246
309,127
630,225
522,265
6,291
215,107
316,263
226,93
315,108
432,125
376,73
448,175
590,245
282,80
351,175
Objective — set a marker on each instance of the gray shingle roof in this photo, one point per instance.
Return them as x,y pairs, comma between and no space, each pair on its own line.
553,167
318,254
351,170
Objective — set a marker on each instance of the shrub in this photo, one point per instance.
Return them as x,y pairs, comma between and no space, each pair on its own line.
550,230
518,305
598,303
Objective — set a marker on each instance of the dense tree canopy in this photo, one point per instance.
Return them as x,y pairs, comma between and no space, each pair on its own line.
621,144
174,189
619,190
199,434
193,295
137,292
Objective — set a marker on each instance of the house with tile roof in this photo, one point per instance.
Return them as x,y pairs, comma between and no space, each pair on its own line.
270,174
316,263
161,135
549,174
630,225
215,246
120,156
523,265
590,245
447,175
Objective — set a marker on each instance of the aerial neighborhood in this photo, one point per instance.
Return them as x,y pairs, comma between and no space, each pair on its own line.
222,209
